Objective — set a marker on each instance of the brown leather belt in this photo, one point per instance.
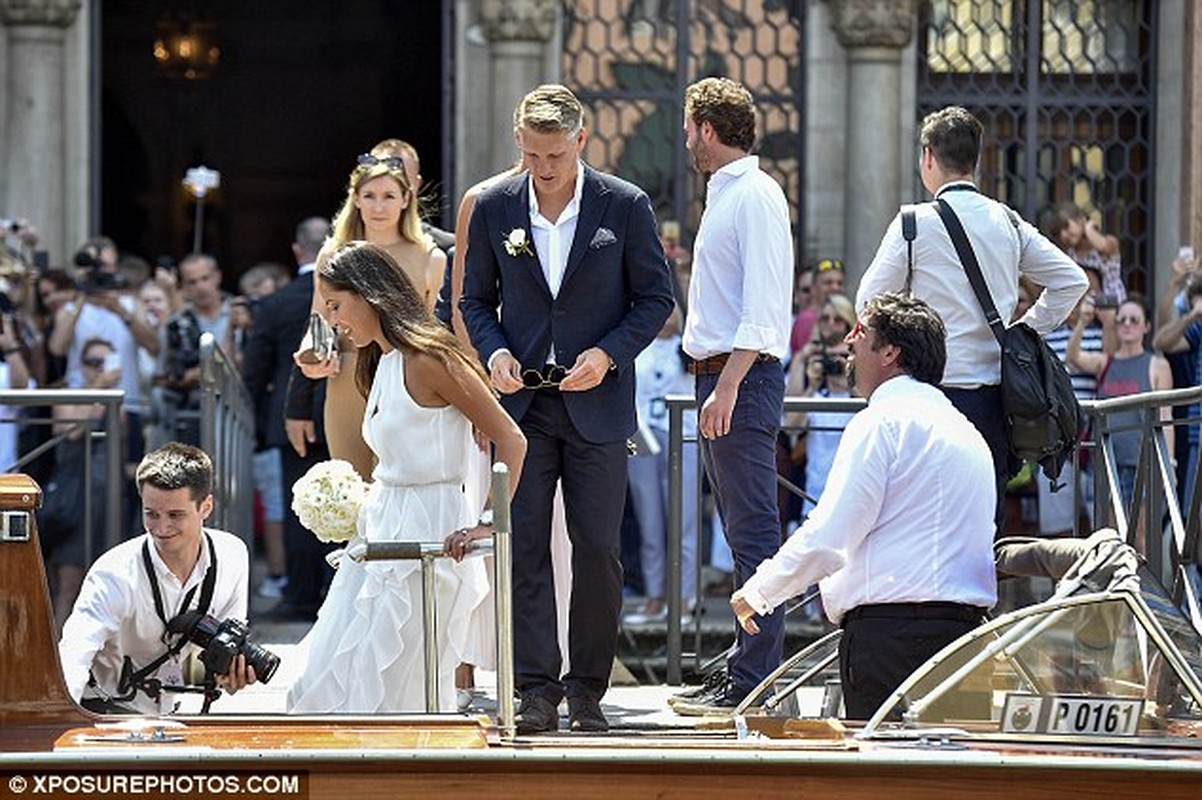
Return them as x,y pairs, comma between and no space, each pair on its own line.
714,364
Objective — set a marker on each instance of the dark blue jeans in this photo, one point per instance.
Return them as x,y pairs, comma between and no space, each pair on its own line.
741,467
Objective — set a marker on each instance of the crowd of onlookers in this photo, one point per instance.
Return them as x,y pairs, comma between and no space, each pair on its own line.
115,321
110,321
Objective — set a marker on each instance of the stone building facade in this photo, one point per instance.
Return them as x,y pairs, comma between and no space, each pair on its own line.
843,119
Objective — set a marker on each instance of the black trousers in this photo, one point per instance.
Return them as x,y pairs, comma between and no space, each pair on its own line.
882,645
594,495
308,572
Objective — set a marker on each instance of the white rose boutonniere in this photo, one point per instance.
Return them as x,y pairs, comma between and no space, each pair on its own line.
327,500
516,243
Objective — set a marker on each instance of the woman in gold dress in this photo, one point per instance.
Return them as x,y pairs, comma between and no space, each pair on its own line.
381,207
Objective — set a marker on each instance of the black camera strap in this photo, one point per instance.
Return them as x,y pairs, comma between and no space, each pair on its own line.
131,679
207,586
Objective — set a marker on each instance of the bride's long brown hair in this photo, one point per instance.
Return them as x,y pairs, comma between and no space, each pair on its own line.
368,271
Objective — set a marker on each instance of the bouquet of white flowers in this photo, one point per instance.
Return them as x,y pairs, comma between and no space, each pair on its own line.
327,499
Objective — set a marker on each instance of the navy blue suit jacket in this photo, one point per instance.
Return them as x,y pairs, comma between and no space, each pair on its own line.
615,294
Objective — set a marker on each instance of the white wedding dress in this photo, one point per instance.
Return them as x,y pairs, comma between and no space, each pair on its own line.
365,650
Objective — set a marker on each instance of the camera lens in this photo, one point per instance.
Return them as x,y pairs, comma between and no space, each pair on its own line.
262,660
222,641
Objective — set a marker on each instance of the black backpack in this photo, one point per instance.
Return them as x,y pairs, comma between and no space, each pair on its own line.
1043,418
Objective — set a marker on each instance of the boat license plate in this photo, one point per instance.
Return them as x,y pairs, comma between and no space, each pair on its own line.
1071,715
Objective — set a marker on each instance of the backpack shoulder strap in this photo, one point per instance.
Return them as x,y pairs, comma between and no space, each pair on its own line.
1014,217
909,226
909,222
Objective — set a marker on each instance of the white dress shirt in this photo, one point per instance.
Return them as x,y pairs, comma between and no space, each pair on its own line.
742,280
906,515
553,237
1003,250
114,615
552,244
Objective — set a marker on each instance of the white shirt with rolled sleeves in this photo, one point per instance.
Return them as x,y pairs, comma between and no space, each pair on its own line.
1003,249
742,279
114,615
906,516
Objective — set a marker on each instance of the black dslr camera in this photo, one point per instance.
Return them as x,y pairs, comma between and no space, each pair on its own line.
96,278
221,641
831,365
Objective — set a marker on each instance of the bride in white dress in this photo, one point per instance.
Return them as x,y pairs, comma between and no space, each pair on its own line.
426,392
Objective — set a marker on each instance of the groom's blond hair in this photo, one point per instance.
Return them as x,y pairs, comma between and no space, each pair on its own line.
550,108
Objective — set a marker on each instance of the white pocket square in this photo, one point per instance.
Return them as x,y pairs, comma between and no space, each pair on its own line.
603,237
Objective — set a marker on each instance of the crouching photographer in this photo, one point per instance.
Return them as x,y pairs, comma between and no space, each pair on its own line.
161,614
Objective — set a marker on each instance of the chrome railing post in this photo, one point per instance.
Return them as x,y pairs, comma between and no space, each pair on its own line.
430,632
503,586
227,434
114,478
675,537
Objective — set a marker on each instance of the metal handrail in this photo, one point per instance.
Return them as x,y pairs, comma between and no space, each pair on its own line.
428,553
1169,559
112,400
227,434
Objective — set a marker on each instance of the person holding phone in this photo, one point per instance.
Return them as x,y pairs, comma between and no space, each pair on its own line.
1131,369
1080,236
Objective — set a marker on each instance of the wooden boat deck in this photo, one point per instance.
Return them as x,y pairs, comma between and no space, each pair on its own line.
51,747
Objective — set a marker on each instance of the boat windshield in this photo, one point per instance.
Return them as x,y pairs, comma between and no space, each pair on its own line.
1113,658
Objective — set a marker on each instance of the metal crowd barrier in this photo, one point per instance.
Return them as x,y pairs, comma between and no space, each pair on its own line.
1155,515
1154,508
227,434
112,400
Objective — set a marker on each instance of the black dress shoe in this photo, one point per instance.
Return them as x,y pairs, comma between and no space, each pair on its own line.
585,716
537,715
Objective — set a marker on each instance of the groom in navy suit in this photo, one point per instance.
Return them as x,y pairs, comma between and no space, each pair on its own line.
565,283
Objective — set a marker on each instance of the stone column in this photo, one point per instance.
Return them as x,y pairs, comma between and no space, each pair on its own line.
873,32
35,144
518,32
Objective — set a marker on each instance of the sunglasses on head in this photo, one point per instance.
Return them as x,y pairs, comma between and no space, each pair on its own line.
550,378
392,162
861,328
827,264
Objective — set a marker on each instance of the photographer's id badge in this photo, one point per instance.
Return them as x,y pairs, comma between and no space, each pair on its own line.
170,674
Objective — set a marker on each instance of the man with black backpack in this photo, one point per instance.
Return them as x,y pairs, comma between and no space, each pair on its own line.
925,259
